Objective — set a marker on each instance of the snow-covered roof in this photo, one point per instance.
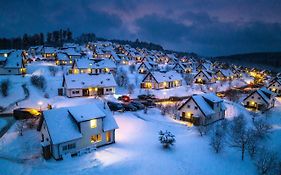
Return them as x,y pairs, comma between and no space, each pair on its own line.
71,52
87,63
212,97
60,125
62,56
49,50
6,51
227,72
86,112
3,58
166,77
77,81
63,128
14,60
203,105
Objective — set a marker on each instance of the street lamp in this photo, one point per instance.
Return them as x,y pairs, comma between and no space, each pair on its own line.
40,103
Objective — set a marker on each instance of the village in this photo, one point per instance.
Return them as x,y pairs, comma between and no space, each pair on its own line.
99,108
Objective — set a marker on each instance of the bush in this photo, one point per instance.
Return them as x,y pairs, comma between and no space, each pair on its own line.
4,87
38,81
166,138
53,70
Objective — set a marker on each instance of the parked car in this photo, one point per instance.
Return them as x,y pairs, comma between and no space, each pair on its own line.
149,103
138,105
129,107
145,97
115,106
124,98
26,113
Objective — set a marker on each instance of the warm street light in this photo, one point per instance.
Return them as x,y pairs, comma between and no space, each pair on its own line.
40,103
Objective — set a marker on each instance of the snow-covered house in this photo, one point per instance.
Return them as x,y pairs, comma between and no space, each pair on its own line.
5,53
72,53
72,131
93,66
13,64
275,86
182,68
63,59
204,66
261,99
203,77
146,67
224,74
202,109
159,80
82,85
49,53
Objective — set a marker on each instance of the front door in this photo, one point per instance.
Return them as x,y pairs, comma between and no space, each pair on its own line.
100,91
85,92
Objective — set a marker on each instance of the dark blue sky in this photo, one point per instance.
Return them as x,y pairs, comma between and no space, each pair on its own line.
207,27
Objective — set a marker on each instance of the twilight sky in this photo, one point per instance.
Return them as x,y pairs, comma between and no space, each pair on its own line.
207,27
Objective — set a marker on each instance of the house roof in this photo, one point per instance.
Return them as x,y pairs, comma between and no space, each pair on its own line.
226,72
62,126
14,60
87,63
62,56
86,112
77,81
166,77
203,105
71,52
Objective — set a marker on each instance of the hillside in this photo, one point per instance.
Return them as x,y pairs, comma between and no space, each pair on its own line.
269,60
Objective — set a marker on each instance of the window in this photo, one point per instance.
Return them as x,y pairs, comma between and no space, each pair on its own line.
259,98
96,138
108,136
75,92
252,97
188,106
93,123
71,146
196,107
64,148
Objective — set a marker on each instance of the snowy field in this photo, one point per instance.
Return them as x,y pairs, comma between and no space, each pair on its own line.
136,151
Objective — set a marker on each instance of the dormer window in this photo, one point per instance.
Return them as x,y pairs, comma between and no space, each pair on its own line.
93,123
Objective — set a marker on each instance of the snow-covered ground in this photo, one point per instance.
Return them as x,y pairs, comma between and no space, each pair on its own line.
136,151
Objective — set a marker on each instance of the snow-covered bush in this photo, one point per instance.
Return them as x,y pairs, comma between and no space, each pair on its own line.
38,81
166,138
53,70
121,78
132,68
202,130
5,87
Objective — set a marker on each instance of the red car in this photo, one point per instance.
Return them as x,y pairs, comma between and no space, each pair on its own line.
124,98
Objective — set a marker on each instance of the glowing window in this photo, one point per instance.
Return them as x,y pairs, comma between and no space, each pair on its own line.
93,123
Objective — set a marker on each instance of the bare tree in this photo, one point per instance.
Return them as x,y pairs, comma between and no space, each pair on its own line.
266,163
188,79
202,130
217,140
131,88
132,68
252,142
19,127
121,78
262,128
239,134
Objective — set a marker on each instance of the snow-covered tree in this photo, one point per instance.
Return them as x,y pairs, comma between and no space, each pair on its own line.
262,128
202,130
239,134
121,78
266,163
4,88
53,70
217,140
131,88
166,138
188,78
132,68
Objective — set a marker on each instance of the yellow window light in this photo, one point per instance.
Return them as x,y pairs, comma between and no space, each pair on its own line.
93,123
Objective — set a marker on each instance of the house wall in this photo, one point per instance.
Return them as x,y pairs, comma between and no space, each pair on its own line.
202,76
275,87
196,112
69,92
256,98
10,71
